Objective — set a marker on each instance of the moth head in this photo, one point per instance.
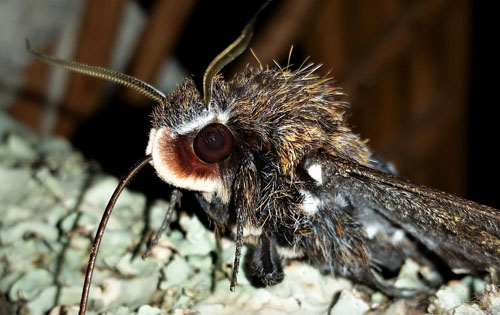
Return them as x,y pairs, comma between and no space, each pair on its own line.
192,146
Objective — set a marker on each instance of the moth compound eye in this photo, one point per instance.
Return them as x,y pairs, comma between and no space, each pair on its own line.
214,143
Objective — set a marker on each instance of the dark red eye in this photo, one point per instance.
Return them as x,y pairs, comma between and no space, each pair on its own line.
214,143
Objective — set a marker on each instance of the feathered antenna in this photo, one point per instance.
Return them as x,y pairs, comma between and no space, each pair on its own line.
102,73
227,55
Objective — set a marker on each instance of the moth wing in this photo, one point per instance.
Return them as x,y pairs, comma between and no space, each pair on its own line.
465,234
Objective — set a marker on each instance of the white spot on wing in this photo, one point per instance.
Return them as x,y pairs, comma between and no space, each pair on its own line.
398,236
316,173
310,204
372,230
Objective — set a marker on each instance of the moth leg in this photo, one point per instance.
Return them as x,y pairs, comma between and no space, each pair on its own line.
204,204
375,280
266,262
175,198
246,189
239,245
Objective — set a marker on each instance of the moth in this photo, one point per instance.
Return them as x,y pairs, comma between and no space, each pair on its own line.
275,165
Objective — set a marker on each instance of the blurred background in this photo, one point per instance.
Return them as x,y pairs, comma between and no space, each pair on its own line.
420,85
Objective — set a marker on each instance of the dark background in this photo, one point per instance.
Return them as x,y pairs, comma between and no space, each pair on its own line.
482,137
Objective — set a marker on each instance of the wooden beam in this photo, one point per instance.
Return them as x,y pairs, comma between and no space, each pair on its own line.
159,37
99,26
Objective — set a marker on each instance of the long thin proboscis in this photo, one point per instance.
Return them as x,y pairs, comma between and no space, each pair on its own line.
102,73
227,55
102,226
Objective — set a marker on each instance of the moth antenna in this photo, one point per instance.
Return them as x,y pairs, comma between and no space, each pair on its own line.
239,245
227,55
256,58
102,73
102,226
